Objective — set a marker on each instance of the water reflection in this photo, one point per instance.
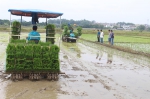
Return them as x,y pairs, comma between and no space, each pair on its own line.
72,47
109,58
138,59
99,55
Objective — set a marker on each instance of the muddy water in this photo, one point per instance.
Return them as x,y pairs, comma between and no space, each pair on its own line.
123,75
92,72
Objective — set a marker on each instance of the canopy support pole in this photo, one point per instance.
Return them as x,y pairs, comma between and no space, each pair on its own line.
46,30
46,21
21,23
10,28
60,32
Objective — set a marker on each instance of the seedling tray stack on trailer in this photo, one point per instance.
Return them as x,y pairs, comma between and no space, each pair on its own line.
26,59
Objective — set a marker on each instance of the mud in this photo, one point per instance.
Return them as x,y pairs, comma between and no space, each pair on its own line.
92,72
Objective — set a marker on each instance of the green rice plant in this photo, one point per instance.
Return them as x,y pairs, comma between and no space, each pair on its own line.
76,34
54,52
50,27
29,48
55,64
37,55
54,56
45,66
17,41
10,68
37,62
29,55
54,48
46,61
10,56
20,61
19,67
10,47
28,66
16,29
10,51
20,47
46,55
79,30
66,31
135,46
50,32
29,63
45,49
11,61
44,43
31,42
37,48
20,55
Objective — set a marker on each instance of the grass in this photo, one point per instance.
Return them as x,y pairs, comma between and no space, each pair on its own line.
135,40
119,38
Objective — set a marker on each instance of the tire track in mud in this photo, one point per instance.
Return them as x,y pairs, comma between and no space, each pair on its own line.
108,83
71,65
19,94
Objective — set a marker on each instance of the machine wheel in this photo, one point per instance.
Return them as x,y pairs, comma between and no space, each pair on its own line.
13,76
49,76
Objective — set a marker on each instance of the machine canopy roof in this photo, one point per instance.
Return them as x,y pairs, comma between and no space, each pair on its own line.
40,13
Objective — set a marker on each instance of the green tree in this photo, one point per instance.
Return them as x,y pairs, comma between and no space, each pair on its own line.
141,28
148,29
115,27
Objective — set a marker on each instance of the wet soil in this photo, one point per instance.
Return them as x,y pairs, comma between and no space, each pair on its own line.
92,72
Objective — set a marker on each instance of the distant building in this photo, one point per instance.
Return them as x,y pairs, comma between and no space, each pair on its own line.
129,27
110,25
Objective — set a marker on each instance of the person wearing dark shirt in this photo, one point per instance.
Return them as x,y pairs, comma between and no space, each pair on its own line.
112,37
98,36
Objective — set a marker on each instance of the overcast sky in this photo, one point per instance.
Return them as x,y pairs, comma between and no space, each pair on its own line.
110,11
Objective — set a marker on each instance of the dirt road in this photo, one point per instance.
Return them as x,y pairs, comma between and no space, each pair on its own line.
92,72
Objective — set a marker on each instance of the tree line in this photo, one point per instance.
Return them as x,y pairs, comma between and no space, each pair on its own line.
82,23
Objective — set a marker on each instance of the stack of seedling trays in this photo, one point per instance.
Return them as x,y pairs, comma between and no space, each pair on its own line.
31,57
15,29
50,33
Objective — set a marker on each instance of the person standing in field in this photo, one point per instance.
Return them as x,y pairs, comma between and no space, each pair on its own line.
112,37
101,36
109,36
98,35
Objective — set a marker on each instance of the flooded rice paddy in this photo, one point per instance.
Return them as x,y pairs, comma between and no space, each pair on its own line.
92,72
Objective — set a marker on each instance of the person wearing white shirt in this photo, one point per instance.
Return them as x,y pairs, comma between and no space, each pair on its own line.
101,36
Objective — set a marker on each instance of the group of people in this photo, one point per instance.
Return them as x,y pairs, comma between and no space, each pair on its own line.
100,36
